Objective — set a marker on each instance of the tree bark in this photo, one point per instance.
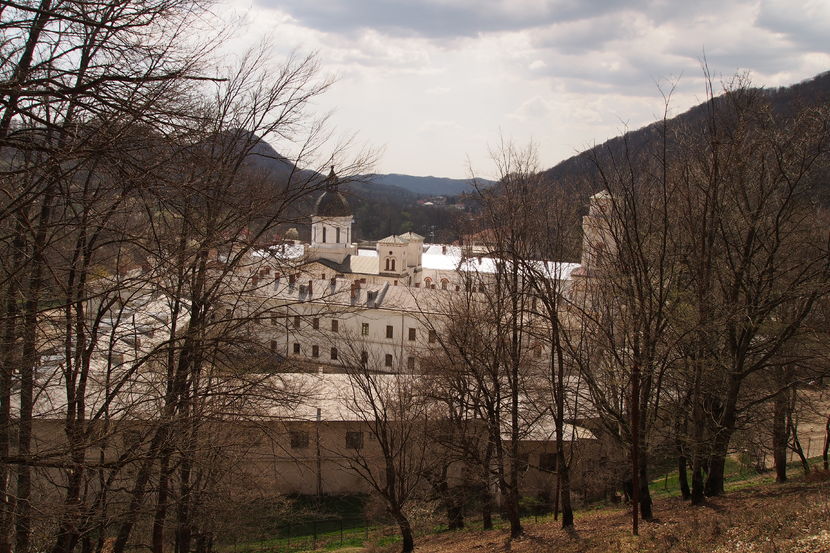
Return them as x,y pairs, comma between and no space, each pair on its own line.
407,539
486,494
723,435
646,505
683,477
779,435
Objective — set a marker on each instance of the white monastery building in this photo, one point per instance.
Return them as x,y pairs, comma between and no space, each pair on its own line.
335,303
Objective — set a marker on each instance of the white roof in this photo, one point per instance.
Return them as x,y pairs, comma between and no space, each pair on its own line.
450,258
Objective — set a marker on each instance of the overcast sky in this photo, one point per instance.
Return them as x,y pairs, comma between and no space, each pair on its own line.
434,82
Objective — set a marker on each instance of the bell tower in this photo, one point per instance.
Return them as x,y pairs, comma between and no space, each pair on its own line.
331,224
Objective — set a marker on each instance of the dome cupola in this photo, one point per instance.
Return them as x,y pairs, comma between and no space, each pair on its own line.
332,203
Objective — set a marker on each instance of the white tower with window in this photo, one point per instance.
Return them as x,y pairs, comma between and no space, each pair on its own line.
392,255
331,225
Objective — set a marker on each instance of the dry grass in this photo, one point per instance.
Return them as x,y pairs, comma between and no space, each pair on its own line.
790,518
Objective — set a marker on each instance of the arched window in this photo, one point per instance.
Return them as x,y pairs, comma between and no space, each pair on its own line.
337,236
387,263
324,235
427,282
444,283
393,264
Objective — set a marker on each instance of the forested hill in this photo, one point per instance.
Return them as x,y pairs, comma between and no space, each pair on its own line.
785,102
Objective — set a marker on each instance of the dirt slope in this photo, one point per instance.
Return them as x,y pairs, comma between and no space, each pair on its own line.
790,518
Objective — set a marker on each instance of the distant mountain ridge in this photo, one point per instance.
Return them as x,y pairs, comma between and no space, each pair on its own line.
425,186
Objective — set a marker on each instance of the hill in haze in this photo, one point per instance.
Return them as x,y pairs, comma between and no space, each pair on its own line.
382,204
425,186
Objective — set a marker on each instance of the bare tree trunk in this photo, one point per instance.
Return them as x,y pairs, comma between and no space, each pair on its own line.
826,450
487,495
683,477
698,429
720,443
8,358
792,427
407,539
779,435
646,505
160,515
635,449
31,308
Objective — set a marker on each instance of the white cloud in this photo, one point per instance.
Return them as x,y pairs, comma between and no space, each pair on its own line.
436,80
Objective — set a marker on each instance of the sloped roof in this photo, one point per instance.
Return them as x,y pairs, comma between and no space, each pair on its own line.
393,239
412,236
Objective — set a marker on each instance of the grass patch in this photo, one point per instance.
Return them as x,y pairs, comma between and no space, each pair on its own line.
737,476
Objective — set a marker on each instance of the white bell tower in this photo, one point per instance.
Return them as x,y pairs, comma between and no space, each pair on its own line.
331,224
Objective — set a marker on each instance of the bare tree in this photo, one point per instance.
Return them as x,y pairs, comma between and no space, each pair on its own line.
395,414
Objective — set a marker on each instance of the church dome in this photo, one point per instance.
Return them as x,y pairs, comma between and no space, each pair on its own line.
332,203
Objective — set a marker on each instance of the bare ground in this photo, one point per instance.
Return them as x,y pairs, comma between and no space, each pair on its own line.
788,518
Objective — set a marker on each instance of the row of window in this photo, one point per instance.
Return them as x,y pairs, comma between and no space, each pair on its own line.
364,328
388,359
300,439
364,355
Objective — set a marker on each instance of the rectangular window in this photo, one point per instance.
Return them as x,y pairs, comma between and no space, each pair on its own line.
296,348
354,440
299,439
410,363
315,323
432,336
296,321
273,345
411,334
364,356
537,351
335,325
547,461
390,331
388,362
334,354
364,329
315,351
